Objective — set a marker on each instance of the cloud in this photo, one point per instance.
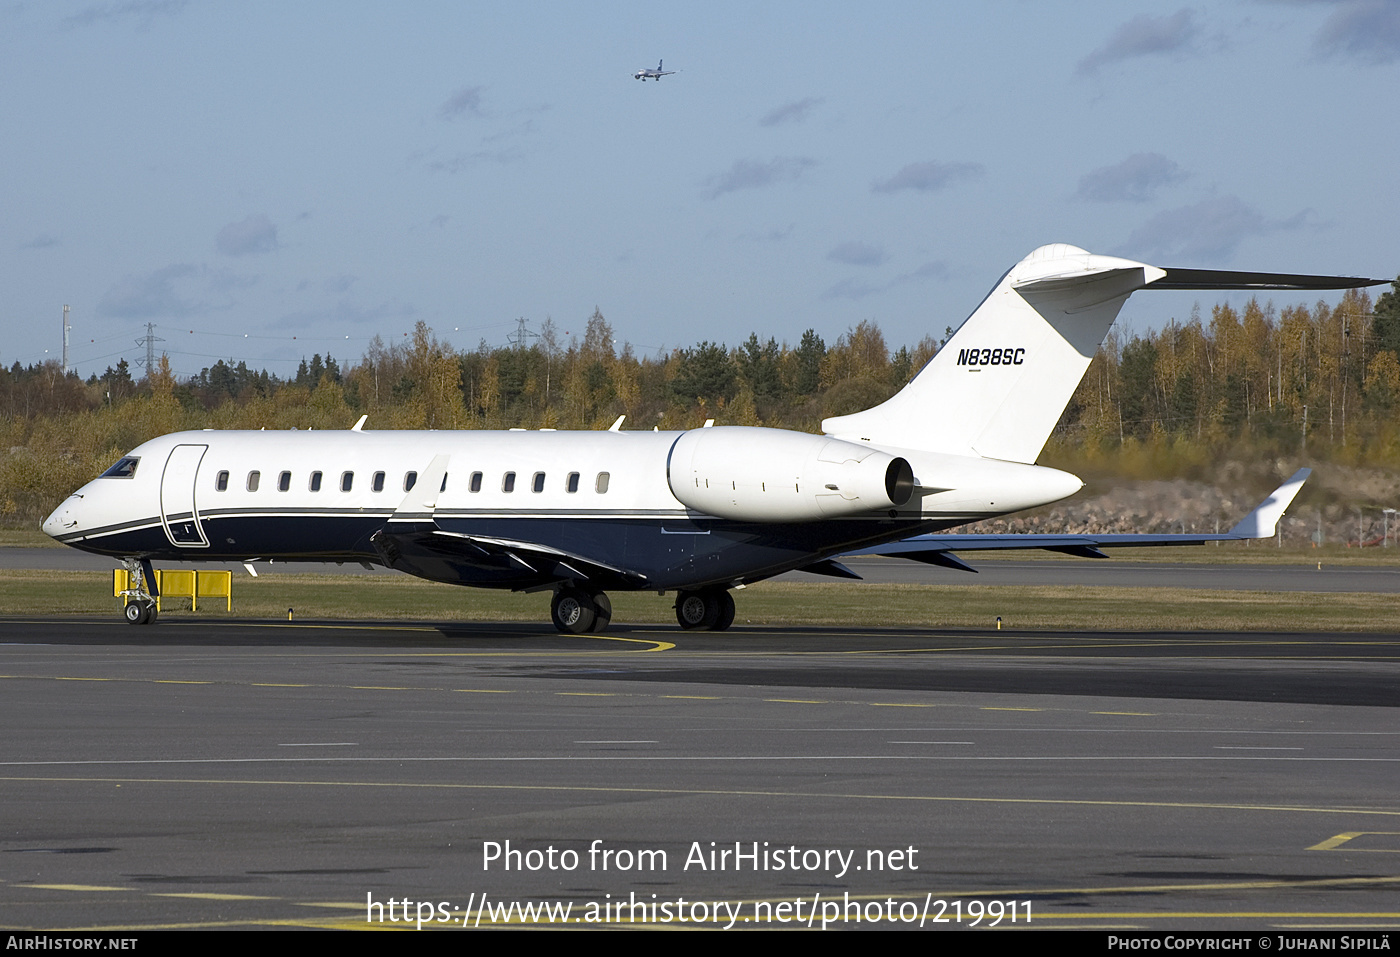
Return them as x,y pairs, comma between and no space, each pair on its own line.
852,289
465,161
248,237
794,112
41,241
935,269
927,177
858,254
466,100
1207,232
518,131
151,295
752,174
1144,35
859,288
1135,180
142,12
345,312
221,280
774,235
1365,29
502,147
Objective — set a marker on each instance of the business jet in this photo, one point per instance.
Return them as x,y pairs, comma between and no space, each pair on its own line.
645,74
698,512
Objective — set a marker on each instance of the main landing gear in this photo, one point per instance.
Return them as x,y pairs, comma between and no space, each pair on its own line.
577,612
711,609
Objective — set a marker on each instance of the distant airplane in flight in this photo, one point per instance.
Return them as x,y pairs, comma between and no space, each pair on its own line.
645,74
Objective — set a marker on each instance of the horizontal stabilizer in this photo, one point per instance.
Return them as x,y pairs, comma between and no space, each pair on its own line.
1231,279
1132,276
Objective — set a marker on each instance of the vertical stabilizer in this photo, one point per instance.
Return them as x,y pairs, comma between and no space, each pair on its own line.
1000,384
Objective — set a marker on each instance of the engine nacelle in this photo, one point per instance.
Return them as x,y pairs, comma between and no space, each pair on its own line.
772,475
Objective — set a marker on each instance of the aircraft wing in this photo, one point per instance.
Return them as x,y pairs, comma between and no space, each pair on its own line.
555,563
427,551
938,549
414,543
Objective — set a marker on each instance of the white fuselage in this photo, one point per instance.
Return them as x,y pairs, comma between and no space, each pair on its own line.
614,499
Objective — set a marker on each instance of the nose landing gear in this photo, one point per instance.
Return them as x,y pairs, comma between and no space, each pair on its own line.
141,593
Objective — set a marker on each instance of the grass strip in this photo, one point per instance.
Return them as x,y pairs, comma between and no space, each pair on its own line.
1086,608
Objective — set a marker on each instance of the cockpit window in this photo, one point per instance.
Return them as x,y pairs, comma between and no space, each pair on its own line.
125,468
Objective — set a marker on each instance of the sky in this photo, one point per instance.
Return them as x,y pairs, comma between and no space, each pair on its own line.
266,181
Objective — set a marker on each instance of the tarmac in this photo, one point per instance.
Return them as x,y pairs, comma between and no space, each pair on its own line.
252,774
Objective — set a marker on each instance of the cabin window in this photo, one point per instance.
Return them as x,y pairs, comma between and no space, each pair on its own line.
347,479
476,482
284,482
378,484
538,484
315,483
573,482
443,486
125,467
221,481
601,485
410,479
508,483
253,479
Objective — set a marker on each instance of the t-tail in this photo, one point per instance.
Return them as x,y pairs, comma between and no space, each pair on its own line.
1000,384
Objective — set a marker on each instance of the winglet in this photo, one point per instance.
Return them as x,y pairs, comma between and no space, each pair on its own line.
358,426
1263,521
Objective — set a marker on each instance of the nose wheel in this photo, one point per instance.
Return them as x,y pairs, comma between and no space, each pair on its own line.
140,612
711,609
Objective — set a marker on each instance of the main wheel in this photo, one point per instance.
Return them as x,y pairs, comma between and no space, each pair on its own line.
697,609
602,611
573,611
725,618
